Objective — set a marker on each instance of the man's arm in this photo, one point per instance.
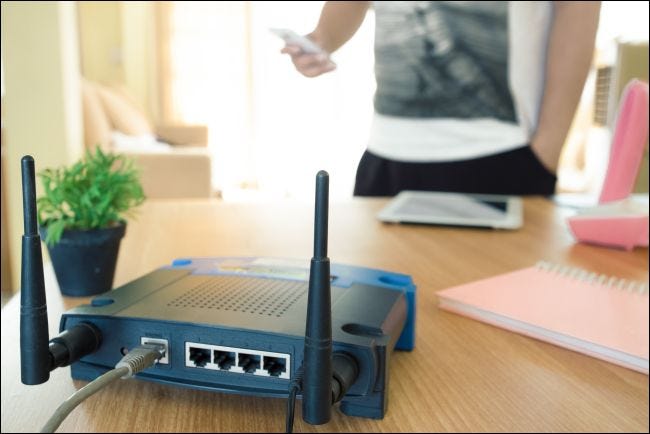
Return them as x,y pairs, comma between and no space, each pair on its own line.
570,50
338,22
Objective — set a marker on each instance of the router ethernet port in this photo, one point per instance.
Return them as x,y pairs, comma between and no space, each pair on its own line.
200,356
249,362
275,366
224,359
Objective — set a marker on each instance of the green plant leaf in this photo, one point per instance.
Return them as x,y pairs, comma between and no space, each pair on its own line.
100,190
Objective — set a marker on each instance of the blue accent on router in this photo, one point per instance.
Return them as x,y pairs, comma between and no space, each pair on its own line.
101,301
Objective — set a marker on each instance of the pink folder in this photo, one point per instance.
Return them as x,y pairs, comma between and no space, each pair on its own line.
593,314
617,222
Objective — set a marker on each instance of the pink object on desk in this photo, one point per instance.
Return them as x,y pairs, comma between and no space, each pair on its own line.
618,222
622,224
627,145
602,316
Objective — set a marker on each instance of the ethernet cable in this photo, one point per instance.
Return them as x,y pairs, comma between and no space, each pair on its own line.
136,360
294,388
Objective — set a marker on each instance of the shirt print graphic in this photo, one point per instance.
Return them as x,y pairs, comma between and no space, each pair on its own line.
442,59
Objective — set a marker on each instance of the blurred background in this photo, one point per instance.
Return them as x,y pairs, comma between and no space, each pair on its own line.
201,97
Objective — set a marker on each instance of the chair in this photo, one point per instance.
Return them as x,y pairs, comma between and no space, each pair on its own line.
174,159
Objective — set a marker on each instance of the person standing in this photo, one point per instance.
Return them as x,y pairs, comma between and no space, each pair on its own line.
473,97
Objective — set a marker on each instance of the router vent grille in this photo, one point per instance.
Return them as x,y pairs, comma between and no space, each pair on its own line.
267,297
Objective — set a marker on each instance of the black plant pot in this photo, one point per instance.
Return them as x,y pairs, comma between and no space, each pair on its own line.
84,261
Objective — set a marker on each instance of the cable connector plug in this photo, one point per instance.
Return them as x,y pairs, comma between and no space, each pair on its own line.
141,358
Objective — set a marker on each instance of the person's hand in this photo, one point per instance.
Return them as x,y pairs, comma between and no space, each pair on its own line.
309,65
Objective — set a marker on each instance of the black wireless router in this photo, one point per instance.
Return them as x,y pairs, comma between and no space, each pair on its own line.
253,326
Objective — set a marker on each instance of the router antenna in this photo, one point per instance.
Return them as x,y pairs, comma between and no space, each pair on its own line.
34,351
317,383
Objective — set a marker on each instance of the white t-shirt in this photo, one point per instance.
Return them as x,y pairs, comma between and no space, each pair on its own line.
457,80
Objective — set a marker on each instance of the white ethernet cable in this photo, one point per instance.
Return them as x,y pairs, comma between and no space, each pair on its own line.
136,360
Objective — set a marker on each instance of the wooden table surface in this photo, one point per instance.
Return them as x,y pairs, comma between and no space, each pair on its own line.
462,376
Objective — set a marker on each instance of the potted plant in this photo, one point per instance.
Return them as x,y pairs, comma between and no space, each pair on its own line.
82,218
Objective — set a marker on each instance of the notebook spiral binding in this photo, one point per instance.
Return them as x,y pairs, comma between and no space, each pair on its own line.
595,278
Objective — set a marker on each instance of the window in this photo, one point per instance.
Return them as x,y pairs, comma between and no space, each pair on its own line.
271,129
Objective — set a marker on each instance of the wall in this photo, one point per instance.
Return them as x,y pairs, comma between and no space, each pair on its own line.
117,43
42,105
139,54
631,63
100,41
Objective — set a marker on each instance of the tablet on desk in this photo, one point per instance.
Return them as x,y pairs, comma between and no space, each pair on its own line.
455,209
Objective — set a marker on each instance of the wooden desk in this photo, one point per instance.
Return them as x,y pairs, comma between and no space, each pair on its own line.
462,376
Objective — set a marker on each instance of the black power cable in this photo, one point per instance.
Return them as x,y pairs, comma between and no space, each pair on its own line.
294,387
345,372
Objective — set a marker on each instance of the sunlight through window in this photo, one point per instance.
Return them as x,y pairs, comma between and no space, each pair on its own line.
271,129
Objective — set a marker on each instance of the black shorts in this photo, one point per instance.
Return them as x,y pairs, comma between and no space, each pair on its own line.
516,172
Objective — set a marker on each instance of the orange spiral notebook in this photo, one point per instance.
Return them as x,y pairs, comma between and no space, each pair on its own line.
602,316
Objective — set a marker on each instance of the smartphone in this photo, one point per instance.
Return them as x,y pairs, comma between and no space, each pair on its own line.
290,37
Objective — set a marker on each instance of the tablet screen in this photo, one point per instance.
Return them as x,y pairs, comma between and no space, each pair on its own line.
452,206
453,209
